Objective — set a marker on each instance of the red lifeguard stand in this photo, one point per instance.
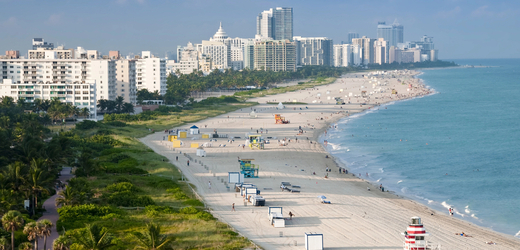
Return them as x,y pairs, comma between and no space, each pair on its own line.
414,236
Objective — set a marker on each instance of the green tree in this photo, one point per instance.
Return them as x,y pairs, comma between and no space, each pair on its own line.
38,180
4,244
32,230
12,221
152,239
25,246
120,101
66,197
84,112
46,230
102,105
92,237
61,243
128,108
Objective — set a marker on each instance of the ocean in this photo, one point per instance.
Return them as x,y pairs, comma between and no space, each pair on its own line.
458,147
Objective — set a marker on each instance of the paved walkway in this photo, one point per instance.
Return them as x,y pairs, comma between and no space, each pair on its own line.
52,212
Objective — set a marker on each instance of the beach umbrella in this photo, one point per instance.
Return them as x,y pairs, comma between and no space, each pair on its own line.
322,197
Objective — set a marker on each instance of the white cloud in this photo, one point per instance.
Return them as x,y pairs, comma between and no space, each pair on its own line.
485,12
54,19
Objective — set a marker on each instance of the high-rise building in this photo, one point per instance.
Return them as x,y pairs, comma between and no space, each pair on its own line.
125,76
188,60
394,33
275,55
276,24
314,50
346,55
249,55
367,47
381,51
40,43
350,36
151,73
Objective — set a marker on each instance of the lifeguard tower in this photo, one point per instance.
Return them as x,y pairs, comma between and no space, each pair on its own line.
280,119
248,169
256,141
414,236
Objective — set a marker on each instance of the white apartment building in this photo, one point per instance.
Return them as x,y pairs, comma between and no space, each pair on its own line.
62,71
125,80
188,60
217,51
79,94
347,55
381,51
314,50
151,73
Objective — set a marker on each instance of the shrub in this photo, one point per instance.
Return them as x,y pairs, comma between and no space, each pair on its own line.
122,179
188,210
121,187
116,124
128,162
159,209
87,124
113,169
162,183
193,202
129,199
105,140
116,158
104,132
76,216
205,216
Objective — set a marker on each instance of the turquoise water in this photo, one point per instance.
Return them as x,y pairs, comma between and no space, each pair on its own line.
459,147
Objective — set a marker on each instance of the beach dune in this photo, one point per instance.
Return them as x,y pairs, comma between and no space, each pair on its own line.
356,218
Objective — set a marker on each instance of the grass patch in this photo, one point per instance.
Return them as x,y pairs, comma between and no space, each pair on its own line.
275,91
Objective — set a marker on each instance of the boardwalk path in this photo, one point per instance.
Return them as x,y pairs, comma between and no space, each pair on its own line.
52,212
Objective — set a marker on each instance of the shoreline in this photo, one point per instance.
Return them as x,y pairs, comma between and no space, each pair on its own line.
357,217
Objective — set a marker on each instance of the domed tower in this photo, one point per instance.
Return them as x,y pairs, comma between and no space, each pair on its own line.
414,236
220,36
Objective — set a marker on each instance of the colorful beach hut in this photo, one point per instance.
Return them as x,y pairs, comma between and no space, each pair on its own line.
415,236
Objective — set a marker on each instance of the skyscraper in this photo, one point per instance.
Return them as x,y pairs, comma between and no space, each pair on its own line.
366,46
350,36
394,33
314,50
276,24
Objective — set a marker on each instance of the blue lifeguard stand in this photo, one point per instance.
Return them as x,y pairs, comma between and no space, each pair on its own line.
248,169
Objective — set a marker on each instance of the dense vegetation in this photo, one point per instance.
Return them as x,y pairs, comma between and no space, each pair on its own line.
180,87
113,202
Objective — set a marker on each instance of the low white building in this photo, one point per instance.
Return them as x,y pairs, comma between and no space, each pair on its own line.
79,94
151,73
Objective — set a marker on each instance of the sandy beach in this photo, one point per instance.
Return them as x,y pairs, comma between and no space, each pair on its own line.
357,218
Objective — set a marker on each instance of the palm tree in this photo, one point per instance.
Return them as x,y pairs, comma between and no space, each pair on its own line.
152,239
4,244
111,106
84,112
102,105
25,246
66,197
128,108
12,221
46,229
61,243
92,237
32,230
38,180
120,101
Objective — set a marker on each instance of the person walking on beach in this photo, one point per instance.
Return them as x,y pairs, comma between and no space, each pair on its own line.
290,215
209,184
233,207
176,158
188,163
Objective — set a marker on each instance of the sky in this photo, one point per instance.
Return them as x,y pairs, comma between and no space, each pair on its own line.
461,29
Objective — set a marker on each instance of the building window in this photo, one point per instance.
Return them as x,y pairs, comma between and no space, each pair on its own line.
77,98
85,98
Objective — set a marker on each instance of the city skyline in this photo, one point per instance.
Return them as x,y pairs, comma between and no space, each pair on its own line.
128,26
